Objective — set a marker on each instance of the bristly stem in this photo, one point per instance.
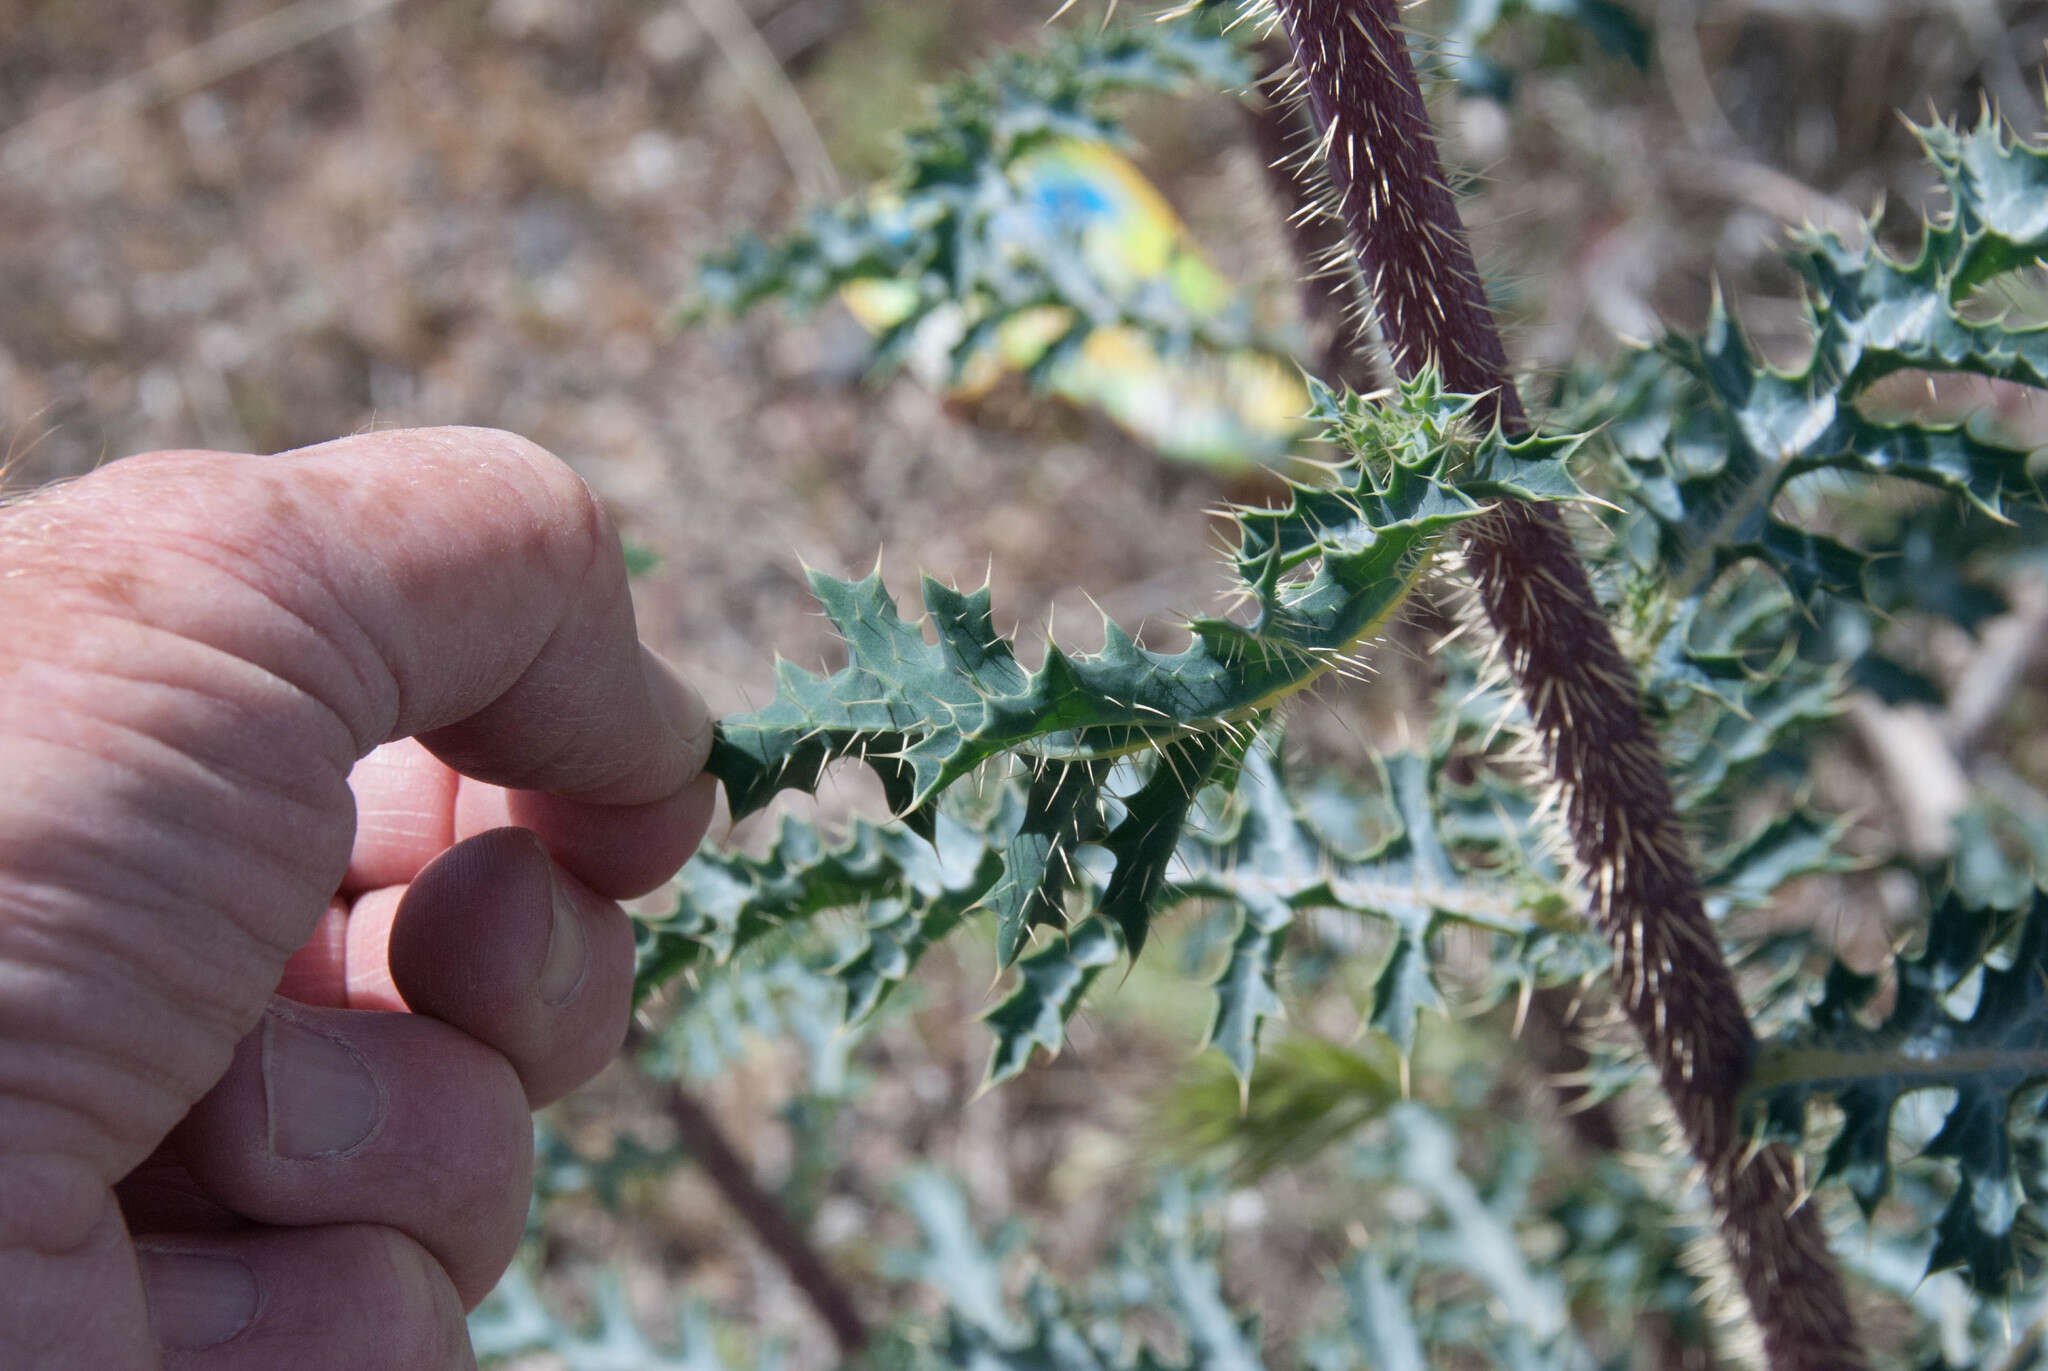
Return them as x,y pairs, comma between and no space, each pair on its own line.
1388,186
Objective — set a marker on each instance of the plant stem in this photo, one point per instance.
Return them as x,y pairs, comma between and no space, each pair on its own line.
698,1131
1581,695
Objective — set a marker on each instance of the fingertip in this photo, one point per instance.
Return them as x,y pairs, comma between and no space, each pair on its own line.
318,972
405,814
498,942
368,961
619,851
679,707
329,1116
196,1299
267,1297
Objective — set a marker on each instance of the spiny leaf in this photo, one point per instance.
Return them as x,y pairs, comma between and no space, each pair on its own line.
1481,1238
1169,1275
1712,435
1474,1221
1882,315
1266,862
1795,843
1246,995
1986,1054
1323,573
1377,1306
1712,440
727,901
1618,32
1271,863
951,182
894,937
953,1257
1038,859
1050,984
1220,1338
779,996
927,714
1728,687
1145,839
515,1322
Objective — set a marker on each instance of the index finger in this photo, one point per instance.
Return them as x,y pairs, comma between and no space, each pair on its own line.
487,581
460,585
496,598
499,603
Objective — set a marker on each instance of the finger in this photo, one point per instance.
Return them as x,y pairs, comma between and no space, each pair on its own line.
162,1196
410,807
405,814
345,1297
494,940
534,734
189,690
343,964
49,1254
318,972
369,940
621,851
624,850
332,1116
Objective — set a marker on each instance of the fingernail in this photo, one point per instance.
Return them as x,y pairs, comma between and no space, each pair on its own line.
321,1097
568,955
196,1301
679,705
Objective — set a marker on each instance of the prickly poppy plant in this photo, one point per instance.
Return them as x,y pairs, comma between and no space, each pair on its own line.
1653,633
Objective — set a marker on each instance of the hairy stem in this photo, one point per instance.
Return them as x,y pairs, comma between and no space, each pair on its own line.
1388,184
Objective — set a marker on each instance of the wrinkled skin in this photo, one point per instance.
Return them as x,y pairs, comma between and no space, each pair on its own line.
323,775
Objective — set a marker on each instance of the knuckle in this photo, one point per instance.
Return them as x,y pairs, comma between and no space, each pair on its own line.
551,520
569,511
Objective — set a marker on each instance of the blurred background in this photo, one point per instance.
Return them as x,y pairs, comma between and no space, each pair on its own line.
247,225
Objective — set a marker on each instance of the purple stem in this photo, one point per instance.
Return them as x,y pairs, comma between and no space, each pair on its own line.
1579,690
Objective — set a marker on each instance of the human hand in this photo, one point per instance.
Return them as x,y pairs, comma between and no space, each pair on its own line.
199,649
